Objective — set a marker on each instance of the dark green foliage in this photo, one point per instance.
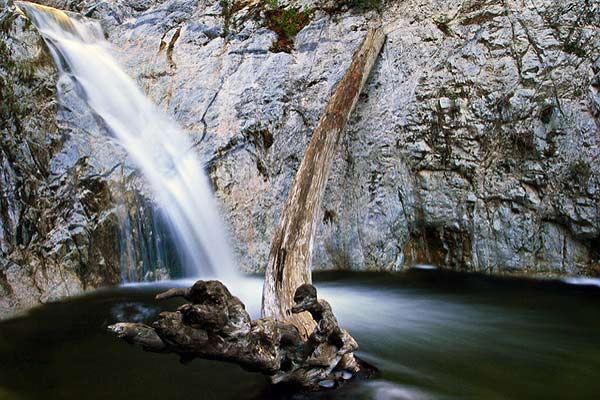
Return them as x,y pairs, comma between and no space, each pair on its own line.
271,3
289,21
226,11
361,4
286,22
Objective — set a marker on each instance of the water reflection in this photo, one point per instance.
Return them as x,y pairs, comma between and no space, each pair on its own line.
431,334
390,391
133,312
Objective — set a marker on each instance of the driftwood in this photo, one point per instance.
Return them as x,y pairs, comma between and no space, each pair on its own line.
290,258
298,339
216,326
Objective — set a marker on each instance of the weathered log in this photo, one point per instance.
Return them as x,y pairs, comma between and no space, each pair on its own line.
216,326
291,252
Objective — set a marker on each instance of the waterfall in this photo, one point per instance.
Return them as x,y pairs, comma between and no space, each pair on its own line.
158,147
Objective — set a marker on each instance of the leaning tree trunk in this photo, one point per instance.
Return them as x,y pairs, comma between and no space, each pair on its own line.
290,258
298,339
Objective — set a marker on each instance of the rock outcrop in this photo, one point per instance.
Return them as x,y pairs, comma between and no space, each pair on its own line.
474,145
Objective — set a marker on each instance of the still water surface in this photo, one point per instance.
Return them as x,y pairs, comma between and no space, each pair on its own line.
433,335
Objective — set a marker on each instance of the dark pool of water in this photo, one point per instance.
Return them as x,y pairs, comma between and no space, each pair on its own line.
433,334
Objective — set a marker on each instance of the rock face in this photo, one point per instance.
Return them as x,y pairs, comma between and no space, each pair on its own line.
474,145
71,212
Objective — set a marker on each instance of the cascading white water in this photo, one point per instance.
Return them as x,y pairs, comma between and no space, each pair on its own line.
158,147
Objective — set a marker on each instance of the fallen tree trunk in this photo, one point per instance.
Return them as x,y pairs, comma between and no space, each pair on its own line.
290,258
298,339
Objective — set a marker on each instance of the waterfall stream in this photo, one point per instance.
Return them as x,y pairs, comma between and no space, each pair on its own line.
158,147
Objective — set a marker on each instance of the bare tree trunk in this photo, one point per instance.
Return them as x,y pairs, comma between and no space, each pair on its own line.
298,341
290,259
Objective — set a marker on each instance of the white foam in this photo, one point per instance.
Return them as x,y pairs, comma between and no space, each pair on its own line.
158,147
582,281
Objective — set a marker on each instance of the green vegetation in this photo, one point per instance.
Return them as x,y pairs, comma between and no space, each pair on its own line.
228,9
286,22
289,21
225,4
361,4
272,3
226,12
6,22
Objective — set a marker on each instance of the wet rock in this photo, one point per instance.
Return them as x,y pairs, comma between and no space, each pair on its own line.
64,184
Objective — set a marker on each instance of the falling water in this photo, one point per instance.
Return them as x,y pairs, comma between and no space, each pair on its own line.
158,147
